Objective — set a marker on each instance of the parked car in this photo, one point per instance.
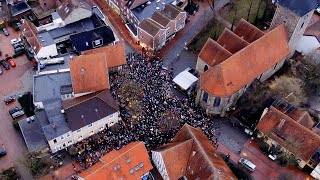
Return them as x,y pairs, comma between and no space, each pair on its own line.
1,71
17,45
15,41
247,164
2,152
12,63
5,32
17,114
15,109
9,99
19,49
5,65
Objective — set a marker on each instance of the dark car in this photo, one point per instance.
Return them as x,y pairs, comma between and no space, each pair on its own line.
9,99
6,65
5,32
19,49
17,45
1,71
2,152
15,109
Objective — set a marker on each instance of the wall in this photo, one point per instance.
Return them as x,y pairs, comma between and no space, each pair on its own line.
48,51
264,76
307,44
145,38
47,4
62,142
200,66
159,163
77,14
97,126
316,172
180,21
159,39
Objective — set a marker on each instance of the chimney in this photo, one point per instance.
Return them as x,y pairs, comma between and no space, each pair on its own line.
281,123
53,125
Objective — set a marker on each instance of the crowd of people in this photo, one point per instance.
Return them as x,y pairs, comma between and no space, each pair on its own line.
155,101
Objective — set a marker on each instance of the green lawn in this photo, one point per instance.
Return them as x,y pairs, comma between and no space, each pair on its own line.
243,6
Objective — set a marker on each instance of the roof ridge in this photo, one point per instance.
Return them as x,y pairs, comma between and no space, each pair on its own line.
253,26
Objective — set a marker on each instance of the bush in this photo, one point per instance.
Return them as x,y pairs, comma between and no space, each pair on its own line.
12,21
9,174
15,124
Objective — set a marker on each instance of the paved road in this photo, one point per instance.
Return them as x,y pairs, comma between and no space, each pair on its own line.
10,83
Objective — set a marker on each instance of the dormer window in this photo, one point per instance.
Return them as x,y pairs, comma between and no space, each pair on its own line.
97,43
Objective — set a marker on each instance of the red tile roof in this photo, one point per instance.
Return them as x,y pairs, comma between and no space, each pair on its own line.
118,163
241,68
247,31
213,53
192,155
231,42
116,55
89,73
293,136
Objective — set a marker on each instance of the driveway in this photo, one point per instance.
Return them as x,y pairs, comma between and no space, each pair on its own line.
11,83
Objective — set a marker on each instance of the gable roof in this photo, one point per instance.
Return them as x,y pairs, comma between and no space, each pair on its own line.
150,27
89,73
115,54
172,11
247,31
313,30
83,41
66,8
192,155
88,109
106,168
299,7
160,18
241,68
290,134
213,53
231,42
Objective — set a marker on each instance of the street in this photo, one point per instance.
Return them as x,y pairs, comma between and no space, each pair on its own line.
13,81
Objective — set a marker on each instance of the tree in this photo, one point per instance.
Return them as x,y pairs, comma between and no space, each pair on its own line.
257,14
169,121
289,88
235,15
250,6
38,166
310,74
73,151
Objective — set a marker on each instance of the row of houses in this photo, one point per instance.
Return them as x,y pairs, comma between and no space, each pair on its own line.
151,23
190,155
75,102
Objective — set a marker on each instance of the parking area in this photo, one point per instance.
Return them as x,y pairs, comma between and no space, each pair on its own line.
14,81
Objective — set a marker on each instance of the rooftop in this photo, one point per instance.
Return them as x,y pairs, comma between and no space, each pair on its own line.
84,40
89,73
231,42
130,162
83,25
189,147
232,74
19,8
299,7
31,129
88,109
293,136
160,18
116,55
47,86
150,27
247,31
146,10
66,8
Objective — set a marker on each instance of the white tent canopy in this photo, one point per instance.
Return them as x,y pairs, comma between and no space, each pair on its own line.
185,79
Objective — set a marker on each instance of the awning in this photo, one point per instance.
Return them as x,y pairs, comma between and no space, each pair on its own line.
185,80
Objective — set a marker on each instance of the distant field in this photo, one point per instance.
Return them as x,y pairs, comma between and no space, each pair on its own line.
243,6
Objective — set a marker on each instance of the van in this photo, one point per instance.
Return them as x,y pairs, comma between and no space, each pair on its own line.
247,164
17,114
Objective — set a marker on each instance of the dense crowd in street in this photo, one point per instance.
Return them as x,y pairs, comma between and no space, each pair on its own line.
155,100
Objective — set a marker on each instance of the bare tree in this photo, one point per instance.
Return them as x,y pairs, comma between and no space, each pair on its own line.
169,121
289,88
249,11
257,14
235,15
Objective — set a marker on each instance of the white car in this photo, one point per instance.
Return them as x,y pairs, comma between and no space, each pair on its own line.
15,41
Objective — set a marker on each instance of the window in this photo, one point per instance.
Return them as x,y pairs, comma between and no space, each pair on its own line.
79,130
217,101
141,36
275,66
68,134
111,115
61,137
90,125
141,165
128,160
205,97
90,133
205,68
69,142
136,168
80,137
131,171
97,42
54,141
302,25
100,121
